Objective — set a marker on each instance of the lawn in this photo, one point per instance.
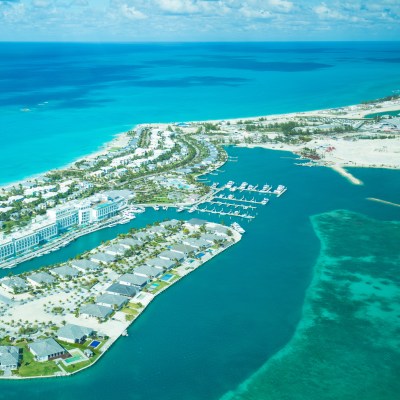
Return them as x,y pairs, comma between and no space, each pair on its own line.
30,367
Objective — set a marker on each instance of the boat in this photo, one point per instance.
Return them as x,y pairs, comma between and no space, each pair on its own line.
180,209
165,208
280,190
156,207
193,209
229,184
238,228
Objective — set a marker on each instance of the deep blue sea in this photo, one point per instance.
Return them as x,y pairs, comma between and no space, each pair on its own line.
80,95
215,328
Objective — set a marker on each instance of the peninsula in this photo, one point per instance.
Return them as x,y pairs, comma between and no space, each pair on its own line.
61,319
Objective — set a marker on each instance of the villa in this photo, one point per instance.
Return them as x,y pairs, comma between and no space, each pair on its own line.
114,301
14,284
128,243
195,223
148,271
40,279
102,258
210,237
173,223
142,236
133,280
9,358
115,250
198,244
96,311
122,290
84,265
161,263
171,255
74,333
65,271
182,249
47,349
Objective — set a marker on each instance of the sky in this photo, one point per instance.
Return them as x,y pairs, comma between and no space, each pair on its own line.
198,20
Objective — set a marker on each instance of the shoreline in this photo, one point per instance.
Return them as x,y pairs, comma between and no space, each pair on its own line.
118,137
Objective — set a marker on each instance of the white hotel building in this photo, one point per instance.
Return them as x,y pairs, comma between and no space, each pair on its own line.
7,249
59,219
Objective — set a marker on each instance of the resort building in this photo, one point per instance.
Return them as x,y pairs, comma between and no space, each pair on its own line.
9,358
74,333
84,213
25,241
104,211
65,216
45,230
47,349
7,249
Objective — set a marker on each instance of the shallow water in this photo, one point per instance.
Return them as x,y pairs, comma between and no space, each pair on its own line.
347,343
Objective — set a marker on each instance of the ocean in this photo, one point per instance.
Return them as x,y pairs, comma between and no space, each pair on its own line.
211,331
81,95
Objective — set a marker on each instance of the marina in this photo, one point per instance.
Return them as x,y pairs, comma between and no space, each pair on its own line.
205,204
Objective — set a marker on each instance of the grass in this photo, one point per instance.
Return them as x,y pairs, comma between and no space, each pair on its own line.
31,367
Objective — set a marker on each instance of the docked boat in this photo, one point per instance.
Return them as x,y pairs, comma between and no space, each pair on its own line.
280,190
180,209
238,228
229,184
156,207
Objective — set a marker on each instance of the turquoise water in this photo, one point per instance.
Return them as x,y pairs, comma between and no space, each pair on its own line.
80,95
213,329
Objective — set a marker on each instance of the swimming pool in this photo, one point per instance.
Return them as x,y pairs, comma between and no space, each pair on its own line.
167,277
94,343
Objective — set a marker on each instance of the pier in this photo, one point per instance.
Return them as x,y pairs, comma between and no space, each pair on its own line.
243,200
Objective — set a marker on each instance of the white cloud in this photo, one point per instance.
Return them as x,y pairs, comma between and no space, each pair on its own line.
132,12
251,13
183,6
280,5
